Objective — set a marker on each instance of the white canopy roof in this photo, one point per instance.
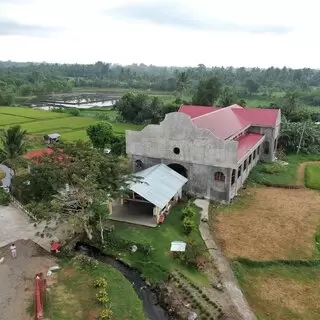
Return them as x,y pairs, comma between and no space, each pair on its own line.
158,184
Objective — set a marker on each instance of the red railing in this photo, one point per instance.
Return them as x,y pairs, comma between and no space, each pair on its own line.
40,290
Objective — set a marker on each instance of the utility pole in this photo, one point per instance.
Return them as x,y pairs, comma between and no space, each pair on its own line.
302,133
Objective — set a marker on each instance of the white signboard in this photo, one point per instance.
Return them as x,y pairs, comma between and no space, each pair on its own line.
178,246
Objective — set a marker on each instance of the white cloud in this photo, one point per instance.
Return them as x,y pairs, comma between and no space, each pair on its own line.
188,32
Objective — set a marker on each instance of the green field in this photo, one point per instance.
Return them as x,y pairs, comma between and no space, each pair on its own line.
39,122
312,176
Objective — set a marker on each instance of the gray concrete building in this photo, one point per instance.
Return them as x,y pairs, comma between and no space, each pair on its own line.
215,148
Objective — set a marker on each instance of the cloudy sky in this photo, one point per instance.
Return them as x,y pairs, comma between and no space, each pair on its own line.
162,32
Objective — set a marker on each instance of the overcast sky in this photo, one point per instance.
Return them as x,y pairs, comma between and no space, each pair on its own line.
162,32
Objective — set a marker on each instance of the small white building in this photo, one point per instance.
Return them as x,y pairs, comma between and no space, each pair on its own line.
52,138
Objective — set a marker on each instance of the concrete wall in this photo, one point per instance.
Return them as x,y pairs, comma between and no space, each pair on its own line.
197,146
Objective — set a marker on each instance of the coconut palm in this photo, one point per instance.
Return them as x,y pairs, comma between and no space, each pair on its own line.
13,145
183,83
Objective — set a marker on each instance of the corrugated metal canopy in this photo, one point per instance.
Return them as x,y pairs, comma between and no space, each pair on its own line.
158,184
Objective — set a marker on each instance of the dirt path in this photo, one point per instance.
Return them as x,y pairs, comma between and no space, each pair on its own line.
301,170
228,279
17,278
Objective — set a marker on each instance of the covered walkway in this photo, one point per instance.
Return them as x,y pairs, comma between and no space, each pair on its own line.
149,199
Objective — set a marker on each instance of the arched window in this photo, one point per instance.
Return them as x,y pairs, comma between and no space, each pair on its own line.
266,147
139,164
219,176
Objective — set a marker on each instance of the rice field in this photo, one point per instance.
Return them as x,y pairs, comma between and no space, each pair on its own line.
40,122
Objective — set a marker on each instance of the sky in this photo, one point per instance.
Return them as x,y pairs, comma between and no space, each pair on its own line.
247,33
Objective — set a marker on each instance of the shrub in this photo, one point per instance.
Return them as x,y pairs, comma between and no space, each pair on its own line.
4,197
188,212
193,255
100,283
103,116
273,168
188,225
82,261
102,296
105,314
74,112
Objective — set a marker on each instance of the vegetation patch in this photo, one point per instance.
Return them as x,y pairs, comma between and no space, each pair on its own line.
281,292
83,290
274,224
153,258
312,176
276,173
29,113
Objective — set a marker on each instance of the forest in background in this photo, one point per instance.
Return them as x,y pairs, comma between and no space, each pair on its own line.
261,86
149,92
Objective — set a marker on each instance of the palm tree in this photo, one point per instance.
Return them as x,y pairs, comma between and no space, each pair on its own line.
183,83
13,145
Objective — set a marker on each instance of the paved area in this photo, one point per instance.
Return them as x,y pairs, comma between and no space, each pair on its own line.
134,212
6,181
228,279
16,225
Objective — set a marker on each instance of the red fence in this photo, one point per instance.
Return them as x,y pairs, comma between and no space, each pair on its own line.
40,291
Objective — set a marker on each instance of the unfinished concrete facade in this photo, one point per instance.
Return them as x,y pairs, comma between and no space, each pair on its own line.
216,157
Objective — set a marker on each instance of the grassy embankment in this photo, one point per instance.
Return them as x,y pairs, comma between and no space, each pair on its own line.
73,295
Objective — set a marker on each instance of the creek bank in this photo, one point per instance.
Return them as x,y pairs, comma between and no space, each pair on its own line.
152,307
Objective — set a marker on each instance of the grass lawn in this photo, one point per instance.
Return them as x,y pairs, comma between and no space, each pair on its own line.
312,176
278,292
268,224
157,266
277,174
74,296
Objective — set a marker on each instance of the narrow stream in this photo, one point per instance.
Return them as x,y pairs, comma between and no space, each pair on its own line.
150,304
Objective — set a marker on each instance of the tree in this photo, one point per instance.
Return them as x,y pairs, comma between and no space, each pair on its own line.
227,97
139,108
291,110
93,179
251,86
207,92
183,83
13,141
100,134
292,132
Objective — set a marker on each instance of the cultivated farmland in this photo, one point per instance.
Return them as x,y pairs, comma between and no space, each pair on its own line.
39,122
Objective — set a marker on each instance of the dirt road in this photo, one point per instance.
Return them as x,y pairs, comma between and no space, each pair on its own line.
17,278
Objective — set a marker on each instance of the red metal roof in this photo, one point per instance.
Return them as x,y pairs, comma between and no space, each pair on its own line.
259,117
38,153
196,111
247,142
224,123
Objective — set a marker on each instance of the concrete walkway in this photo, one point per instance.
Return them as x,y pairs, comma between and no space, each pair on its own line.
227,277
15,225
6,181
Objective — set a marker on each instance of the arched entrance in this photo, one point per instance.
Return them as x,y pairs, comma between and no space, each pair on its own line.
179,168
